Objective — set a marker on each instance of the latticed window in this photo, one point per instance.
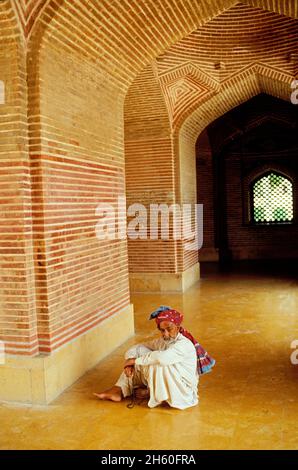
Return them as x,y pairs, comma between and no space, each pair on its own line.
272,199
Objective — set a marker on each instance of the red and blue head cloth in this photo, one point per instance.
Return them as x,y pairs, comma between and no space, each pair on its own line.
164,313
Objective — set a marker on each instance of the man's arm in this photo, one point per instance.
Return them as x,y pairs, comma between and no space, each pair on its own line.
136,351
172,355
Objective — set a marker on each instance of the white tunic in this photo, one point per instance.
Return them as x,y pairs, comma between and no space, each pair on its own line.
168,369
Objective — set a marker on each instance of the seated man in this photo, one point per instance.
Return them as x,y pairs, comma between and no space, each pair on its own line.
163,370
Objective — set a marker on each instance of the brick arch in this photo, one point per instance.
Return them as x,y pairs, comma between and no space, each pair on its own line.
256,79
124,32
67,133
229,128
27,13
175,20
75,51
186,89
232,95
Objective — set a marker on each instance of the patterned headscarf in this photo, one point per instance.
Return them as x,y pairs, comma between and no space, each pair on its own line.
169,315
164,313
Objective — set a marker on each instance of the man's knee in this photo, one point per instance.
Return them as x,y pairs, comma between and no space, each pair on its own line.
142,350
136,351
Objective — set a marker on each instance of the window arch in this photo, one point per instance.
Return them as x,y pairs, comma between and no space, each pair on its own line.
271,196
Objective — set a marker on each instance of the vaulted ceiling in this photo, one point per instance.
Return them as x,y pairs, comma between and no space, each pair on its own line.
196,48
27,13
241,39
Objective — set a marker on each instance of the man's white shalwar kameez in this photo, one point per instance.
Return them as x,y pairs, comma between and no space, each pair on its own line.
168,369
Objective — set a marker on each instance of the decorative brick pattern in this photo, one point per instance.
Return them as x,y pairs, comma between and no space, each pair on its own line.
27,12
204,75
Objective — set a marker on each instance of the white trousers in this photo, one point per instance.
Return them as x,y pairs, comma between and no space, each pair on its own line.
139,377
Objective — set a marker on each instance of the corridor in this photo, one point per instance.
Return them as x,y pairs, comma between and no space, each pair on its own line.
247,321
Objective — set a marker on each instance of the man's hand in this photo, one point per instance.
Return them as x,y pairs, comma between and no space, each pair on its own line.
130,362
129,366
128,371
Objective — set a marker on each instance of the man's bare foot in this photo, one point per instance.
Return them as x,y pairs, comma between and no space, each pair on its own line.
142,392
113,394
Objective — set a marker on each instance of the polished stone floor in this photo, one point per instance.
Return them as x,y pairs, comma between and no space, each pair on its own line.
247,321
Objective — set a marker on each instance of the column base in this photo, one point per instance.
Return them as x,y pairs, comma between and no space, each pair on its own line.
164,282
41,379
